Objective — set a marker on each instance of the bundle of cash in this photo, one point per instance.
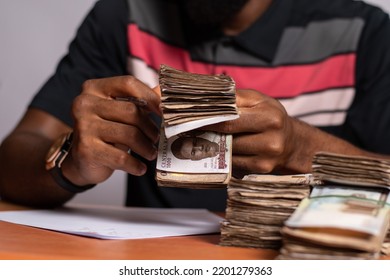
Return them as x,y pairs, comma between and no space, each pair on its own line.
196,159
257,207
189,157
355,171
338,222
352,170
190,100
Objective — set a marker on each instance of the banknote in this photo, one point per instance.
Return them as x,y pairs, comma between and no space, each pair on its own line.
305,179
321,213
195,152
192,124
195,159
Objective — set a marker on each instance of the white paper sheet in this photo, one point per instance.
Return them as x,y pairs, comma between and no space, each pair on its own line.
118,222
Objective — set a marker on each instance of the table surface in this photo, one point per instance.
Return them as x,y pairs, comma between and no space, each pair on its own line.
24,242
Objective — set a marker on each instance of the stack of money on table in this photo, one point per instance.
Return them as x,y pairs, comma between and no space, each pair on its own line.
352,170
348,217
257,207
188,156
338,222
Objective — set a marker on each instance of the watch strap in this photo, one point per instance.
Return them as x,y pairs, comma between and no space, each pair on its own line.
56,171
63,182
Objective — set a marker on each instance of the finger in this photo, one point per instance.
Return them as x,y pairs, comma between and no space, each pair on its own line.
157,90
268,144
250,120
130,136
117,159
126,113
123,86
249,98
252,164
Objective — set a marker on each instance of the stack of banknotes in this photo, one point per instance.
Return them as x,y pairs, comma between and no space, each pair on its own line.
257,207
346,218
352,170
190,100
190,157
338,222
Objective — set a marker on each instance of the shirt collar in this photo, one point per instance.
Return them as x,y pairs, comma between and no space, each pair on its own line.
262,38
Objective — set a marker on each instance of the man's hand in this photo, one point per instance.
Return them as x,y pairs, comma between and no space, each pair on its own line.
106,128
262,136
266,139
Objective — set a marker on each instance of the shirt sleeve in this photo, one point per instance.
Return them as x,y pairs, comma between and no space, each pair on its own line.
368,120
98,50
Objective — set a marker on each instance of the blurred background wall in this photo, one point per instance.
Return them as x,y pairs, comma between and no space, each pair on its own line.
34,35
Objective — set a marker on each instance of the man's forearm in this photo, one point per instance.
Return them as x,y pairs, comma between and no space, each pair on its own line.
309,140
23,177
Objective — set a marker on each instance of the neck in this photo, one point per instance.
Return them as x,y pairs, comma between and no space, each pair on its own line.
253,10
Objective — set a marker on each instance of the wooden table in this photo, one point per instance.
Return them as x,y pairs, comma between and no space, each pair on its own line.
24,242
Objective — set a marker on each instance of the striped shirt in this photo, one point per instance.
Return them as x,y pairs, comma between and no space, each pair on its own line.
326,61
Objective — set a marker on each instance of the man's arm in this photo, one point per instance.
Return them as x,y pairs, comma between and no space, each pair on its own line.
266,139
104,130
23,177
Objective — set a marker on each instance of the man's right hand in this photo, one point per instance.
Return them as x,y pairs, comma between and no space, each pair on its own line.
105,129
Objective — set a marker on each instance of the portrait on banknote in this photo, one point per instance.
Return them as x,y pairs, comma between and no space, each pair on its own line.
195,152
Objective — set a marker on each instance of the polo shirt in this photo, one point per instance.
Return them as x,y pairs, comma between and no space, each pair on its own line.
326,61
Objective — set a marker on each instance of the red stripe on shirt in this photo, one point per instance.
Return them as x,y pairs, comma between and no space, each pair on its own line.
283,81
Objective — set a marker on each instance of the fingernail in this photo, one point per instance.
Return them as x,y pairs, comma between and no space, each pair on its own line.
154,155
142,170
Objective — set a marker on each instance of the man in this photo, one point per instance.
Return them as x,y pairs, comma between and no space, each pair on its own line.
194,148
323,68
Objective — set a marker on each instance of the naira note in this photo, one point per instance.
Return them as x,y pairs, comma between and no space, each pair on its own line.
195,152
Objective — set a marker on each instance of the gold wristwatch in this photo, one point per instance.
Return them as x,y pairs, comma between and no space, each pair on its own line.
56,155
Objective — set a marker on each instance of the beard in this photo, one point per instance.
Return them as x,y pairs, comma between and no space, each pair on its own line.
212,13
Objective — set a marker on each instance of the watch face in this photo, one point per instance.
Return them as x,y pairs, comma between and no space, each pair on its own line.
54,152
